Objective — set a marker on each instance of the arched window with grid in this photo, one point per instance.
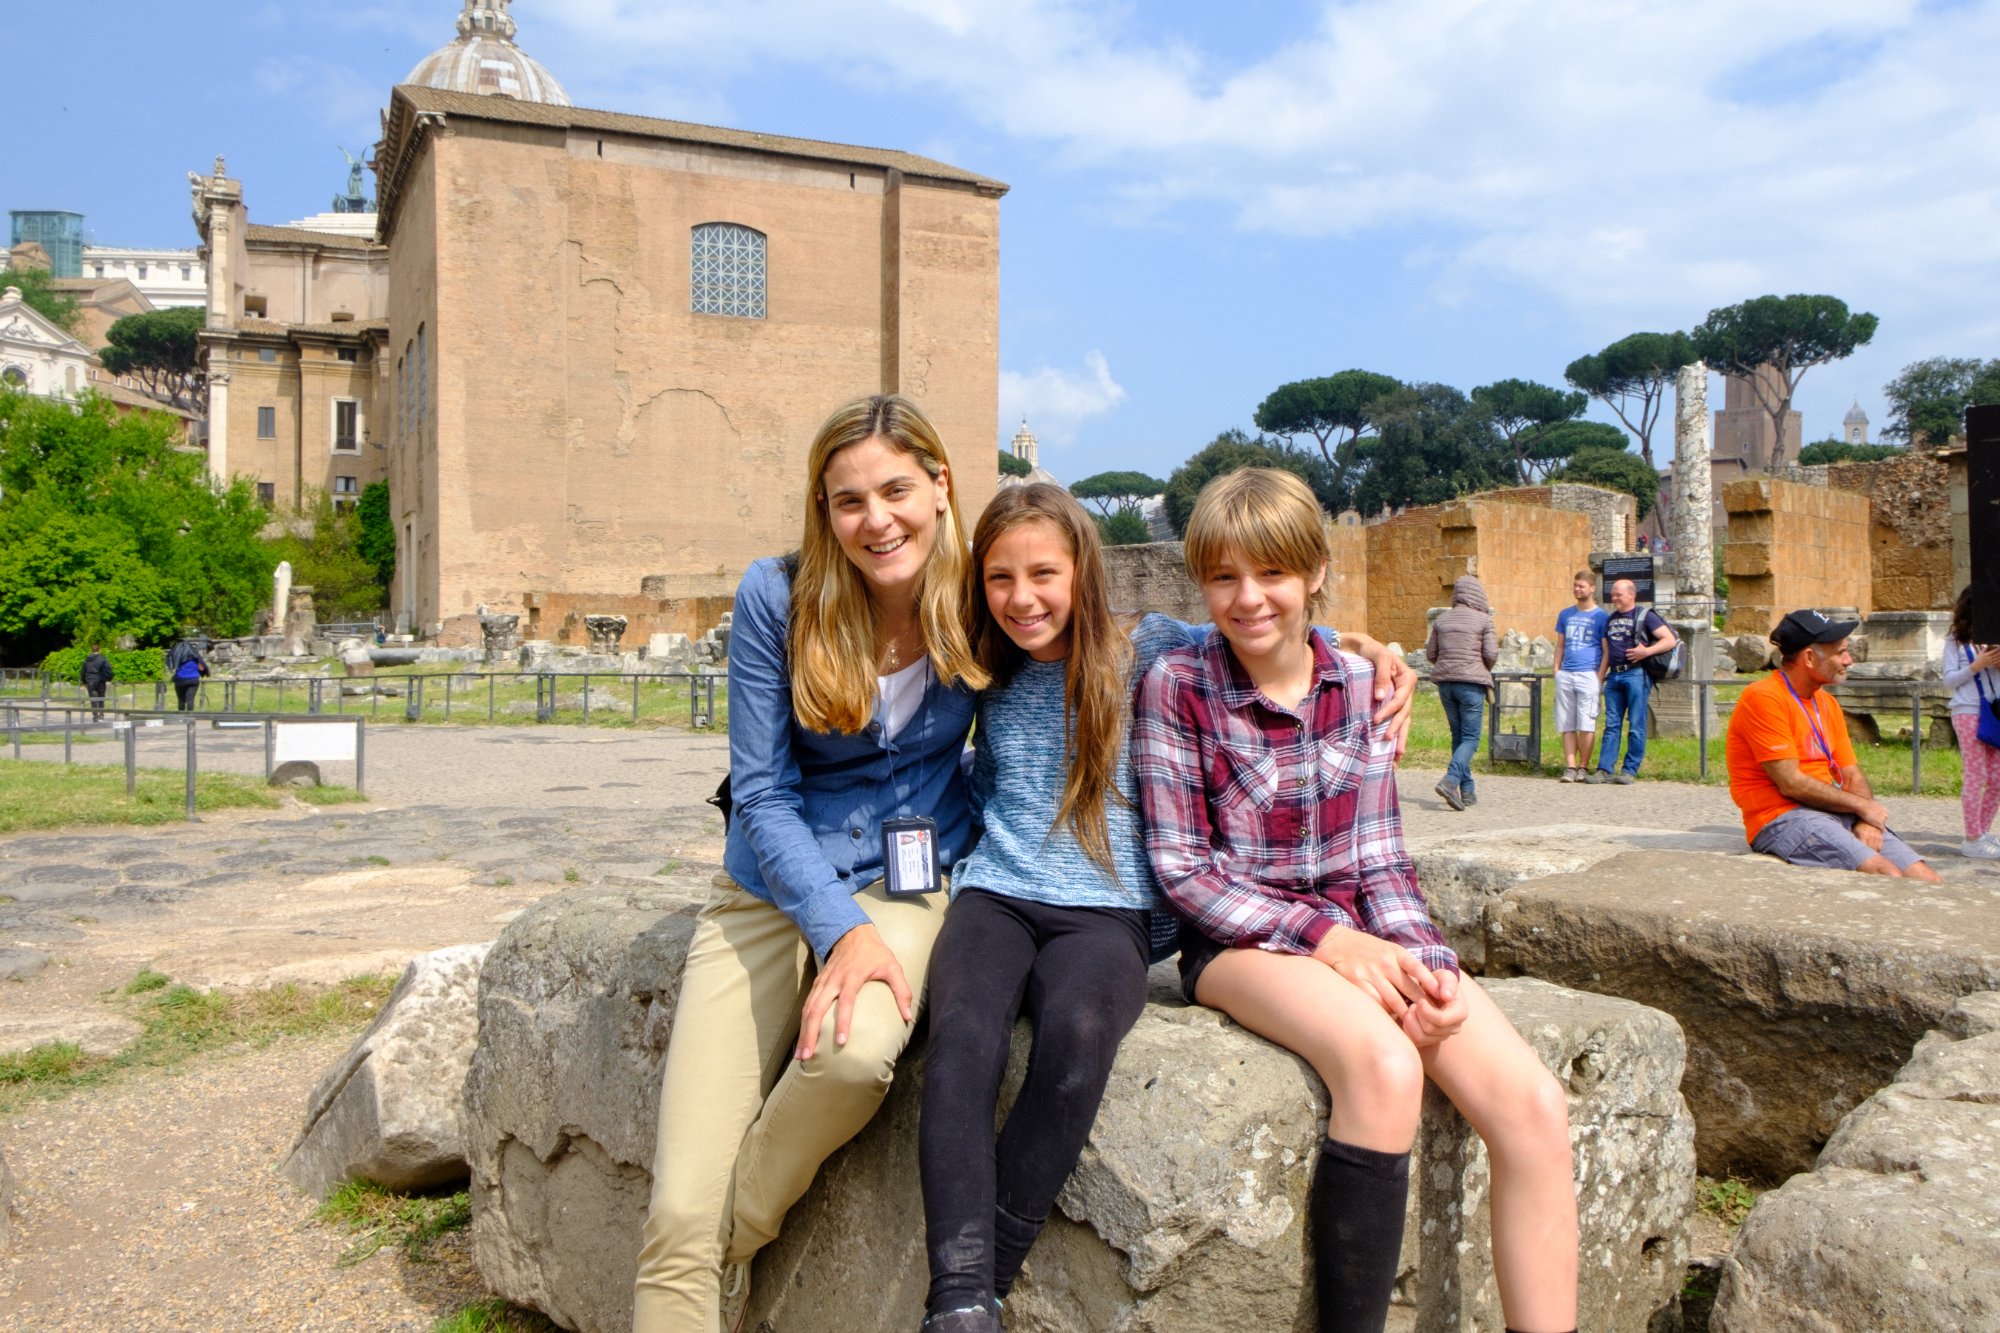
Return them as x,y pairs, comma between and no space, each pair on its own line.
728,270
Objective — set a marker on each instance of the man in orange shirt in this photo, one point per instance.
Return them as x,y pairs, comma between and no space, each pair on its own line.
1792,769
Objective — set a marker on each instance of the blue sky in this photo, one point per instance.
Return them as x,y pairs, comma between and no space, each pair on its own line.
1207,200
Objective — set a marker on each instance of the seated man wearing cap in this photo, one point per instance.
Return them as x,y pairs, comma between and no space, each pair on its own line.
1792,770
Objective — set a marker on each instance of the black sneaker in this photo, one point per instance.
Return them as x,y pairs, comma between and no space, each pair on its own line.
976,1319
1450,793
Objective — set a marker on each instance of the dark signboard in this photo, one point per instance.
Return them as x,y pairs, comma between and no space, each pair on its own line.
1638,568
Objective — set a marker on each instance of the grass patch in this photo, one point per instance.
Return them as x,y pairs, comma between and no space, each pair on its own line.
1728,1200
178,1022
492,1316
1668,759
38,795
1698,1290
504,882
376,861
669,868
329,794
570,876
381,1217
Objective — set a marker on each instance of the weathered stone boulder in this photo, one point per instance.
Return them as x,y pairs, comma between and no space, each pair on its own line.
1801,991
1465,873
1186,1212
389,1110
1752,652
1899,1225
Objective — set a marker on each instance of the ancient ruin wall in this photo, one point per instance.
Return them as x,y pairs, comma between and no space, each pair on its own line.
1910,533
1792,546
1525,556
1404,554
1347,576
1614,515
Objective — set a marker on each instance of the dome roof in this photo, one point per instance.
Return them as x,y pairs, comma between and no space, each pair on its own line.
484,59
1855,416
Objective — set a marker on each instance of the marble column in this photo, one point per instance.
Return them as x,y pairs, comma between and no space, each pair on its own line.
1693,518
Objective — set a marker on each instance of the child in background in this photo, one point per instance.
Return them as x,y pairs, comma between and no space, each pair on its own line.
1051,911
1272,826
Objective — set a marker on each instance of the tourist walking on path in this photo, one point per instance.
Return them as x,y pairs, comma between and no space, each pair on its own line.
1632,634
185,668
1792,769
851,691
1462,649
1580,630
1055,915
1306,924
97,674
1969,670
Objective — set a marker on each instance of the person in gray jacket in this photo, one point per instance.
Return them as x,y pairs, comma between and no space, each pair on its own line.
1462,649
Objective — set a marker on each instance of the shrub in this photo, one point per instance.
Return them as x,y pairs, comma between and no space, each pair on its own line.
128,667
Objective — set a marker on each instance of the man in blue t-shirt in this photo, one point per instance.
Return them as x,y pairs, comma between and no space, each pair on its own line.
1581,629
1632,634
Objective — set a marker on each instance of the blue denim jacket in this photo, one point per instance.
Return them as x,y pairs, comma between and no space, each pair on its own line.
805,833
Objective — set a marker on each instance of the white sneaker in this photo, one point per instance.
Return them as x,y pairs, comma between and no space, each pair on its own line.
1983,848
735,1296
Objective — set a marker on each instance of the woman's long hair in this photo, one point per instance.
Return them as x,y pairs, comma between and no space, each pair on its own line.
1097,676
1961,619
832,639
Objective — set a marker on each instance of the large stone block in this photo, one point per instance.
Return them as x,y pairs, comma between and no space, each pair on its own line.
389,1110
1899,1224
1186,1213
1801,991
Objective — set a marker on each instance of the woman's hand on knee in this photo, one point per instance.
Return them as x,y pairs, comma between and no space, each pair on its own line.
859,957
1439,1012
1384,971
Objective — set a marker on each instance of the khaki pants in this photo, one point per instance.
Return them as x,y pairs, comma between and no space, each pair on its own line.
743,1126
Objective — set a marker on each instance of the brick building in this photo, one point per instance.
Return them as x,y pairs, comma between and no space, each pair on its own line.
590,349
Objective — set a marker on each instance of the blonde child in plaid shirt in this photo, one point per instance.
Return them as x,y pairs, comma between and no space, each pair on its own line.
1273,829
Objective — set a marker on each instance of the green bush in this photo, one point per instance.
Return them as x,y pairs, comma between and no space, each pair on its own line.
127,667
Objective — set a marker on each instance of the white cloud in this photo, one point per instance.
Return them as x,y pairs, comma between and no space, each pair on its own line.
333,94
1635,162
1055,402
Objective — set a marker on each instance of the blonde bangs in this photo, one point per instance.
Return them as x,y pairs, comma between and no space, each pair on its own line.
1271,516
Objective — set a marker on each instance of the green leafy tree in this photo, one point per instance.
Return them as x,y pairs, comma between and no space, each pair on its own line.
1840,451
378,533
1788,335
1325,407
1127,527
1632,376
1224,454
1013,465
325,550
159,349
1616,469
39,294
1927,401
1434,444
1568,438
153,544
1111,491
1524,412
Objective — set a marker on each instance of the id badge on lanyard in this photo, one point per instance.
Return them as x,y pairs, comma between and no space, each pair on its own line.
1814,723
909,856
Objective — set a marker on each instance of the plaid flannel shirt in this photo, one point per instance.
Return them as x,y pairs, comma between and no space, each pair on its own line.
1269,827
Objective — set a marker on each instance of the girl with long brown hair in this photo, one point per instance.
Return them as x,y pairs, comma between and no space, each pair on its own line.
851,687
1053,912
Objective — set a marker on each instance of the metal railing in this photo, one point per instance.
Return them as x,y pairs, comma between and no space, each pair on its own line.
451,690
1524,747
23,718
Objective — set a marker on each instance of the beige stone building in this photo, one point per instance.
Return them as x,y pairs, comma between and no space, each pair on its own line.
589,349
294,347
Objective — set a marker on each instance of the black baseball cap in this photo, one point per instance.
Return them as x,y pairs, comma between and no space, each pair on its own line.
1800,628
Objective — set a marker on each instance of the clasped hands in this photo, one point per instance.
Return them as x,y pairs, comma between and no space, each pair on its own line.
1427,1005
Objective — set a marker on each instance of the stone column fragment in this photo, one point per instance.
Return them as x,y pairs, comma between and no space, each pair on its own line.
1694,502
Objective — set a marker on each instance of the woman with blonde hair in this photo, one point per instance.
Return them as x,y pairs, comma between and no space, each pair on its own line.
852,687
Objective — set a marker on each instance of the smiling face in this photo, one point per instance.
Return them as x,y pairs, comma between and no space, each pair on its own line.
1829,662
1624,595
884,510
1262,610
1030,577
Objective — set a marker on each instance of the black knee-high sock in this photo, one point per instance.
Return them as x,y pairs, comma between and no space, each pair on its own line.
1013,1237
1358,1197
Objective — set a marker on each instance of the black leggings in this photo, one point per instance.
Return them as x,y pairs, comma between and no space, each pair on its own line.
1079,975
185,691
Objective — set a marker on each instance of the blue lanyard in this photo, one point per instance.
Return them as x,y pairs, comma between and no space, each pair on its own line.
1814,721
